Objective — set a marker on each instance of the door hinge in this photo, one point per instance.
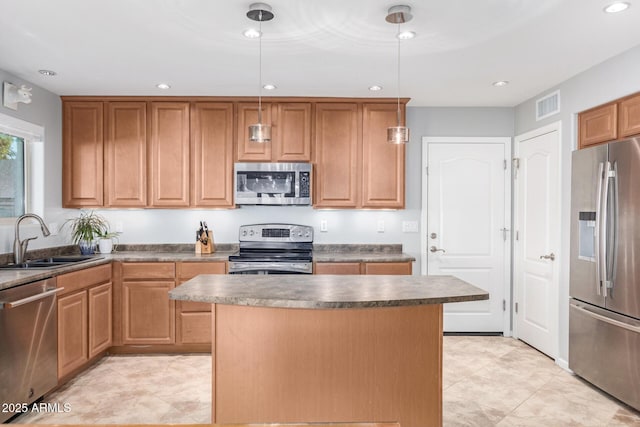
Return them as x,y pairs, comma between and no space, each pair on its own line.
504,233
516,308
426,170
516,166
517,235
504,305
505,164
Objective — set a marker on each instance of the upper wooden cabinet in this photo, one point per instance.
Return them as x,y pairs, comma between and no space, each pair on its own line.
383,164
292,132
355,165
606,123
212,154
337,148
247,114
629,116
169,162
82,154
125,154
598,125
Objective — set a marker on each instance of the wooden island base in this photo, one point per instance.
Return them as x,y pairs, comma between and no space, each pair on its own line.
288,365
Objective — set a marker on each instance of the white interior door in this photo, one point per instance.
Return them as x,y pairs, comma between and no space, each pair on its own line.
537,239
468,214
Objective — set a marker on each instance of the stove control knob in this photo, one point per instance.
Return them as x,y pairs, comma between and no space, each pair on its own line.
250,232
244,232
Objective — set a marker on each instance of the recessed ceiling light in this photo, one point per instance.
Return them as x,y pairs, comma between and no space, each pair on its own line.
375,88
47,72
500,83
163,86
269,87
251,33
616,7
406,35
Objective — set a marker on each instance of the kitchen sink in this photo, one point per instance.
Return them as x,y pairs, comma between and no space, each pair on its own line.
52,262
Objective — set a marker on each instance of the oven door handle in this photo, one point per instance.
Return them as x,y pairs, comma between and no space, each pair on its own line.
32,298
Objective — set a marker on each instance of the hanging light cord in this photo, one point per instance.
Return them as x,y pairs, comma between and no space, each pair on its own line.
398,76
260,70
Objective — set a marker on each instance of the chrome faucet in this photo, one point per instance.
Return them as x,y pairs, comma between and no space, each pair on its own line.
20,247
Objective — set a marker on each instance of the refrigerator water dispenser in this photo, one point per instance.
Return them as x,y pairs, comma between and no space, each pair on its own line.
587,236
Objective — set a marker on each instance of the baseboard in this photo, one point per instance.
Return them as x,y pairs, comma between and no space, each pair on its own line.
564,364
473,334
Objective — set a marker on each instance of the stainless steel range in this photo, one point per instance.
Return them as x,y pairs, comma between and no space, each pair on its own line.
274,249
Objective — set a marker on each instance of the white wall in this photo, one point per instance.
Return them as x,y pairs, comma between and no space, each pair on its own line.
605,82
45,110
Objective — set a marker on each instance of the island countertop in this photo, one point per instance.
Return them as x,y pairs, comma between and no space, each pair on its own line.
326,291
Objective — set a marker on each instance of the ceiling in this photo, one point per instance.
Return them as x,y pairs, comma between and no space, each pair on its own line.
312,47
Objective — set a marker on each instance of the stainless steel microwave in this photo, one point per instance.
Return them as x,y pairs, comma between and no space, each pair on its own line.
272,183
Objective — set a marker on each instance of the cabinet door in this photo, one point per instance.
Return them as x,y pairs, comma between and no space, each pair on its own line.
148,315
125,163
247,114
629,121
82,154
72,332
397,268
292,132
383,164
337,146
100,318
212,155
337,268
169,177
598,125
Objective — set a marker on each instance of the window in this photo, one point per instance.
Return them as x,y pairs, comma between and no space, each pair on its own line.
11,175
21,168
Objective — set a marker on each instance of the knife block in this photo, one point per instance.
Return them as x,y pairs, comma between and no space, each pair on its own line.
209,248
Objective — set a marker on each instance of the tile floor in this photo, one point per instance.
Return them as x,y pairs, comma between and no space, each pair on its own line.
487,381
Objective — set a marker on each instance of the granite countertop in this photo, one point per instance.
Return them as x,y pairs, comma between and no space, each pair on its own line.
184,253
326,291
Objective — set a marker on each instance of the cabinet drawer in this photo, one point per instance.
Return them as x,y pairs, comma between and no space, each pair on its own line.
82,279
195,328
400,268
337,268
189,270
189,306
148,270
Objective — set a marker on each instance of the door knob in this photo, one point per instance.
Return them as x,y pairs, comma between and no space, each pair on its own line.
551,256
434,249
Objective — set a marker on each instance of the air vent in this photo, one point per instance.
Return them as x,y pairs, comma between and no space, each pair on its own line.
548,105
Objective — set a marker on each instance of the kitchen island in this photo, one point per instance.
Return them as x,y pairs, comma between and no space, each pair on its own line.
307,348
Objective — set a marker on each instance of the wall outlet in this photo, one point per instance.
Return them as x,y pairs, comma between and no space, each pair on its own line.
119,227
380,227
409,226
323,226
54,228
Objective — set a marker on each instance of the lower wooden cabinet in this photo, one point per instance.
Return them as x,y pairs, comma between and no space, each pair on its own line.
147,318
84,317
391,268
193,319
73,351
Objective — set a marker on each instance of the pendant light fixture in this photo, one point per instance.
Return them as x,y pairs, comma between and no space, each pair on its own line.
260,132
398,15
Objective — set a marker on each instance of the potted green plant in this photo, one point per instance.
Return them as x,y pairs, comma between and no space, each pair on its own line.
85,229
105,241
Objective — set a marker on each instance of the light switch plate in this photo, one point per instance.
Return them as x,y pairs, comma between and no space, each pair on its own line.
323,226
409,226
380,227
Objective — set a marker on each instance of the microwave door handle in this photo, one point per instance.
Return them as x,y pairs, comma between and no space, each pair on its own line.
598,231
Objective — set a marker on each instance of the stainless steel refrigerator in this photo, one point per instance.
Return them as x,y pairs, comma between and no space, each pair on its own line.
604,312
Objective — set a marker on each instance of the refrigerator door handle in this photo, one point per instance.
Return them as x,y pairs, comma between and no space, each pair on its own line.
598,229
606,319
604,226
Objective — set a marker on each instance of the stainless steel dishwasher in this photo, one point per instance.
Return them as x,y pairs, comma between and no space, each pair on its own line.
28,345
